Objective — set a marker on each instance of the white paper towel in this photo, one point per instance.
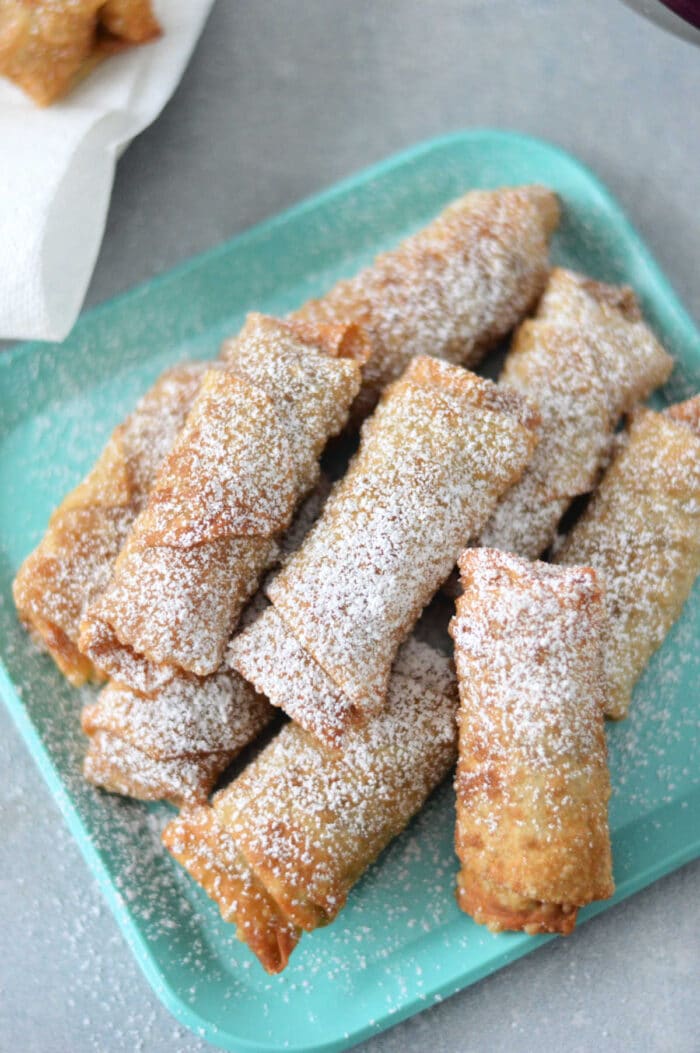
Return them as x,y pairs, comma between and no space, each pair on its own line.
57,168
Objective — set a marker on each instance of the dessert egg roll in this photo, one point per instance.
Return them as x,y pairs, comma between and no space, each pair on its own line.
174,744
246,457
641,531
47,46
71,565
532,779
439,451
585,359
113,764
453,290
280,848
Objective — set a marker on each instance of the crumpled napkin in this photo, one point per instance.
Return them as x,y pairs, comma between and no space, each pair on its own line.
57,168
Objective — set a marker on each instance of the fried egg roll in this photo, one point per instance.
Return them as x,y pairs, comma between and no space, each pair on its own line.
175,744
441,448
641,531
246,457
281,847
532,779
453,290
47,46
72,564
584,360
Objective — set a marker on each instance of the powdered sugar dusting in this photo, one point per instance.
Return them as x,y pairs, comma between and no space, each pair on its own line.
527,633
272,659
532,783
72,564
246,456
309,821
189,716
116,765
177,742
453,289
584,360
434,458
642,533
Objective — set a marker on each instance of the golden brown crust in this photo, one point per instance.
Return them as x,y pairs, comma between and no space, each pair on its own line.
532,779
472,392
583,300
641,531
130,21
338,340
197,840
271,658
440,449
195,500
176,742
687,413
173,744
71,565
452,290
310,821
585,359
503,910
190,717
119,767
48,46
246,456
76,668
307,821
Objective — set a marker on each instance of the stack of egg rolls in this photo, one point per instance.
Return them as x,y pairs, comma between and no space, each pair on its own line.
245,458
148,568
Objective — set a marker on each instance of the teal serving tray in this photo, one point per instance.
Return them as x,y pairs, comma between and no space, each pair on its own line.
401,944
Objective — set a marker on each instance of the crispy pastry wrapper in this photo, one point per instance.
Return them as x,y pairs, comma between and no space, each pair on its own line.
532,778
439,451
641,532
452,290
47,46
246,457
113,764
210,855
176,743
585,359
281,847
71,565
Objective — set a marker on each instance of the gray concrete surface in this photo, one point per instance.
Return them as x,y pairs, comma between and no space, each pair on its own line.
281,99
